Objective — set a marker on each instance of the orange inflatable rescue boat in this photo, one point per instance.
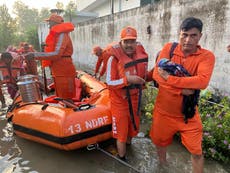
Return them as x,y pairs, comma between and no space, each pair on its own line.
49,121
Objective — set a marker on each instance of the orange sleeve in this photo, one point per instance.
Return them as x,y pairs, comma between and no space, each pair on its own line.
105,58
98,64
114,79
61,49
198,81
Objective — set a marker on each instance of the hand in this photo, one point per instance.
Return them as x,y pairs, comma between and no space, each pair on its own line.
134,79
187,92
164,74
29,56
97,76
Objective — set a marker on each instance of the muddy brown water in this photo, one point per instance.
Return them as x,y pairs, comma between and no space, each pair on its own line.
18,155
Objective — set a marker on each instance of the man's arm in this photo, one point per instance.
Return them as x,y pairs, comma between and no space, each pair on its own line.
57,53
112,79
198,81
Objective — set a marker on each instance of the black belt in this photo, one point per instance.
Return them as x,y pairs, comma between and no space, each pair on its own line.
139,87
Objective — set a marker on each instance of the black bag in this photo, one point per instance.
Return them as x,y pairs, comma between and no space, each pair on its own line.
189,105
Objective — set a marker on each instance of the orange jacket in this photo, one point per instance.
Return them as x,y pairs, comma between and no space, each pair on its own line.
59,50
199,64
120,64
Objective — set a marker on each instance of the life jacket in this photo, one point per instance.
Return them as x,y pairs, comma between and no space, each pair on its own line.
52,38
10,72
133,66
136,66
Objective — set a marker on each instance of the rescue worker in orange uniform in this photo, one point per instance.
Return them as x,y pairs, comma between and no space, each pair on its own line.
57,56
10,69
103,56
126,74
167,114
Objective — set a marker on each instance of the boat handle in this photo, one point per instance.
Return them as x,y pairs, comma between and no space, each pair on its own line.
92,147
45,106
83,107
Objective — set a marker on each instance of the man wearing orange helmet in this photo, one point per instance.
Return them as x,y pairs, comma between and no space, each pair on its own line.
126,74
57,56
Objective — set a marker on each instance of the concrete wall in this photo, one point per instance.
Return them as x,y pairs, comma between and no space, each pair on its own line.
103,7
164,18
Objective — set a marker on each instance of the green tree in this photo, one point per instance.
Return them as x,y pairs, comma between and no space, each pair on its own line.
59,5
25,16
70,11
28,20
7,28
44,14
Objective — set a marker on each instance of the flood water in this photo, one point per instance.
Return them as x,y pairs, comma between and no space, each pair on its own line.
18,155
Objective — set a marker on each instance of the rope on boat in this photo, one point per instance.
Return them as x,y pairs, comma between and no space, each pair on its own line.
96,146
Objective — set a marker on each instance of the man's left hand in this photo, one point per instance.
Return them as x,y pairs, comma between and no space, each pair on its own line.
164,74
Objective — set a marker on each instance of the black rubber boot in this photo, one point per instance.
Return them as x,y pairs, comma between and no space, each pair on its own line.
122,158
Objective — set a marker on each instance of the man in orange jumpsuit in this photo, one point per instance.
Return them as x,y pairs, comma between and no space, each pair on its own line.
57,55
103,56
126,73
167,115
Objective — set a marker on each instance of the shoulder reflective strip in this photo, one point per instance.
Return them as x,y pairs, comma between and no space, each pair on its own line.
109,81
57,48
136,62
63,140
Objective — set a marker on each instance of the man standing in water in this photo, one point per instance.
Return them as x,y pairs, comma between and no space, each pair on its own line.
167,115
57,55
126,73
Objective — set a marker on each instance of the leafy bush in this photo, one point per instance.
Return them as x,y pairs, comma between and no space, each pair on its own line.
149,97
215,114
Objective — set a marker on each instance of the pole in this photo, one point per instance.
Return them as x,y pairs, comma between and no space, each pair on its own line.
43,68
112,6
96,146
